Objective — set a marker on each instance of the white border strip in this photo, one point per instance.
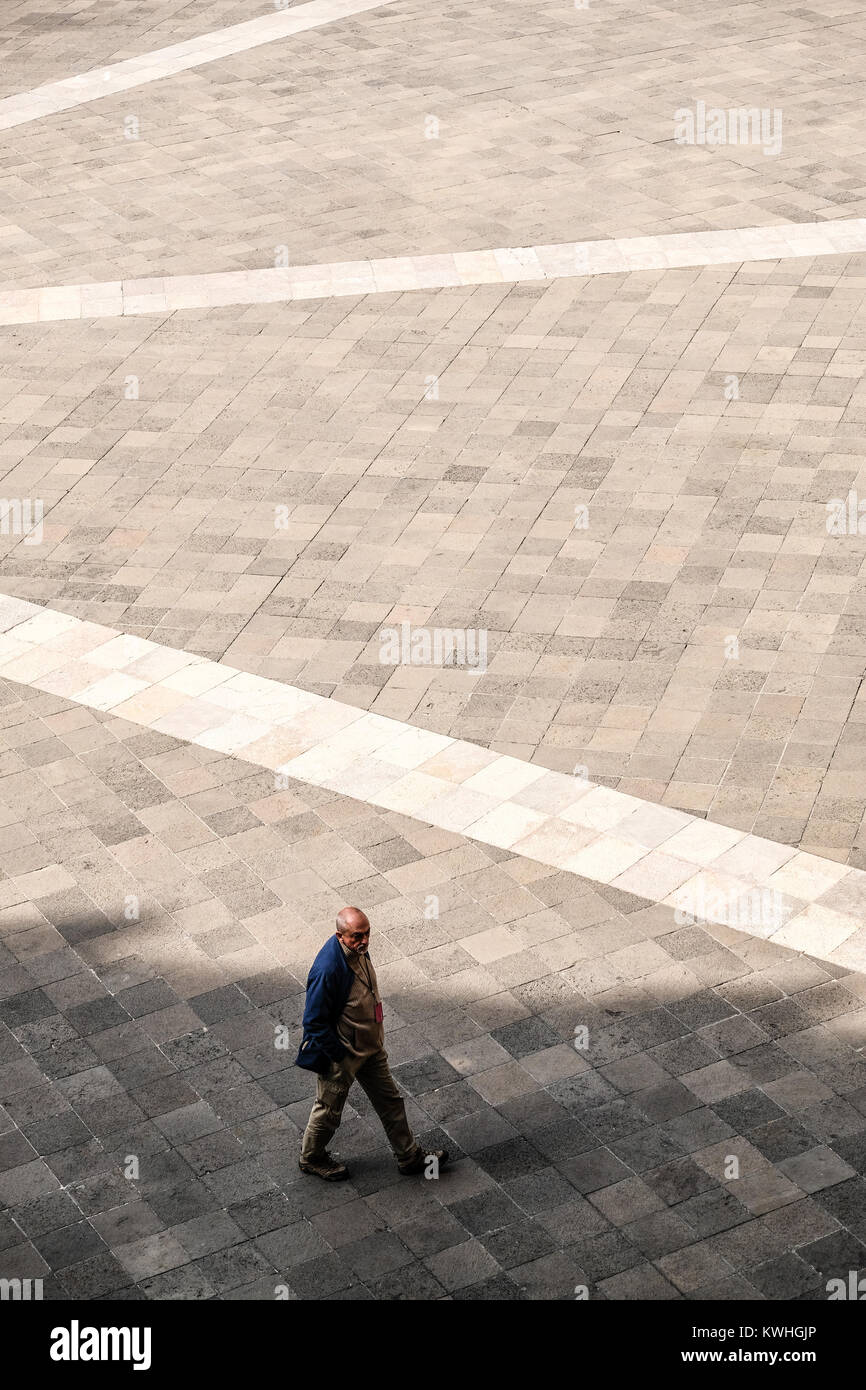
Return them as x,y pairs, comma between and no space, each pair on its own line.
506,265
653,851
164,62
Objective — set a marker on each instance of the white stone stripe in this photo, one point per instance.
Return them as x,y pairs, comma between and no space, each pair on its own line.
506,265
163,62
765,889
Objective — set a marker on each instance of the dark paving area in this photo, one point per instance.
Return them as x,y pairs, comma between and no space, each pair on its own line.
159,906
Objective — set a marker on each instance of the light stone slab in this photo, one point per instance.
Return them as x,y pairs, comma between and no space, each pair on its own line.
709,871
510,265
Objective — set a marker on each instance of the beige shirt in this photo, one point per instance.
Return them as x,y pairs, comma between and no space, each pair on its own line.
357,1028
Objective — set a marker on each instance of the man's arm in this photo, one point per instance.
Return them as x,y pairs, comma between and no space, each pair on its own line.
319,1019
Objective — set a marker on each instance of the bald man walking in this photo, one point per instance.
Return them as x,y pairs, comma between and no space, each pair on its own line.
344,1042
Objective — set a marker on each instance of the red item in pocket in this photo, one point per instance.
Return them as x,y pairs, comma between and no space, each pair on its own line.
378,1012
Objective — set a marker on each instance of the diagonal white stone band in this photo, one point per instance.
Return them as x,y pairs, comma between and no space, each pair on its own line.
709,871
505,265
163,62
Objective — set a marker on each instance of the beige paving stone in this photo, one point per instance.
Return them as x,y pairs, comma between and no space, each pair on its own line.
820,926
491,945
655,875
607,856
807,877
506,825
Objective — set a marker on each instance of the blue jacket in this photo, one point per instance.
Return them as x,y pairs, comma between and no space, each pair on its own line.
329,984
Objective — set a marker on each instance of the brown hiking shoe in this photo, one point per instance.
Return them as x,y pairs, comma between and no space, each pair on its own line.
324,1166
421,1159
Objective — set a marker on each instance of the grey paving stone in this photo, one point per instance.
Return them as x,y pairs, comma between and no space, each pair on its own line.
410,1283
563,1140
646,1148
432,1231
816,1169
518,1244
267,1287
697,1267
233,1267
101,1276
732,1289
852,1149
603,1255
748,1110
616,1120
525,1036
834,1256
376,1254
461,1265
679,1180
781,1140
551,1277
152,1254
488,1211
238,1181
641,1282
448,1104
697,1129
69,1245
48,1214
205,1234
626,1201
22,1260
539,1191
659,1233
176,1204
27,1183
498,1290
189,1122
685,1054
58,1132
270,1211
698,1010
348,1224
664,1101
712,1211
185,1284
321,1277
573,1221
10,1232
595,1169
533,1111
833,1119
845,1202
296,1244
514,1158
123,1225
786,1277
798,1224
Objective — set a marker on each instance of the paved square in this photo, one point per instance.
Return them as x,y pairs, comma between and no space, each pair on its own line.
595,1068
439,482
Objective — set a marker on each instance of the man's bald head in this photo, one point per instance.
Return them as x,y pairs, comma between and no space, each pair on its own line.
352,919
353,928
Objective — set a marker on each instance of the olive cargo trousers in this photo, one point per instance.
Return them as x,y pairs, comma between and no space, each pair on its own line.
372,1072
